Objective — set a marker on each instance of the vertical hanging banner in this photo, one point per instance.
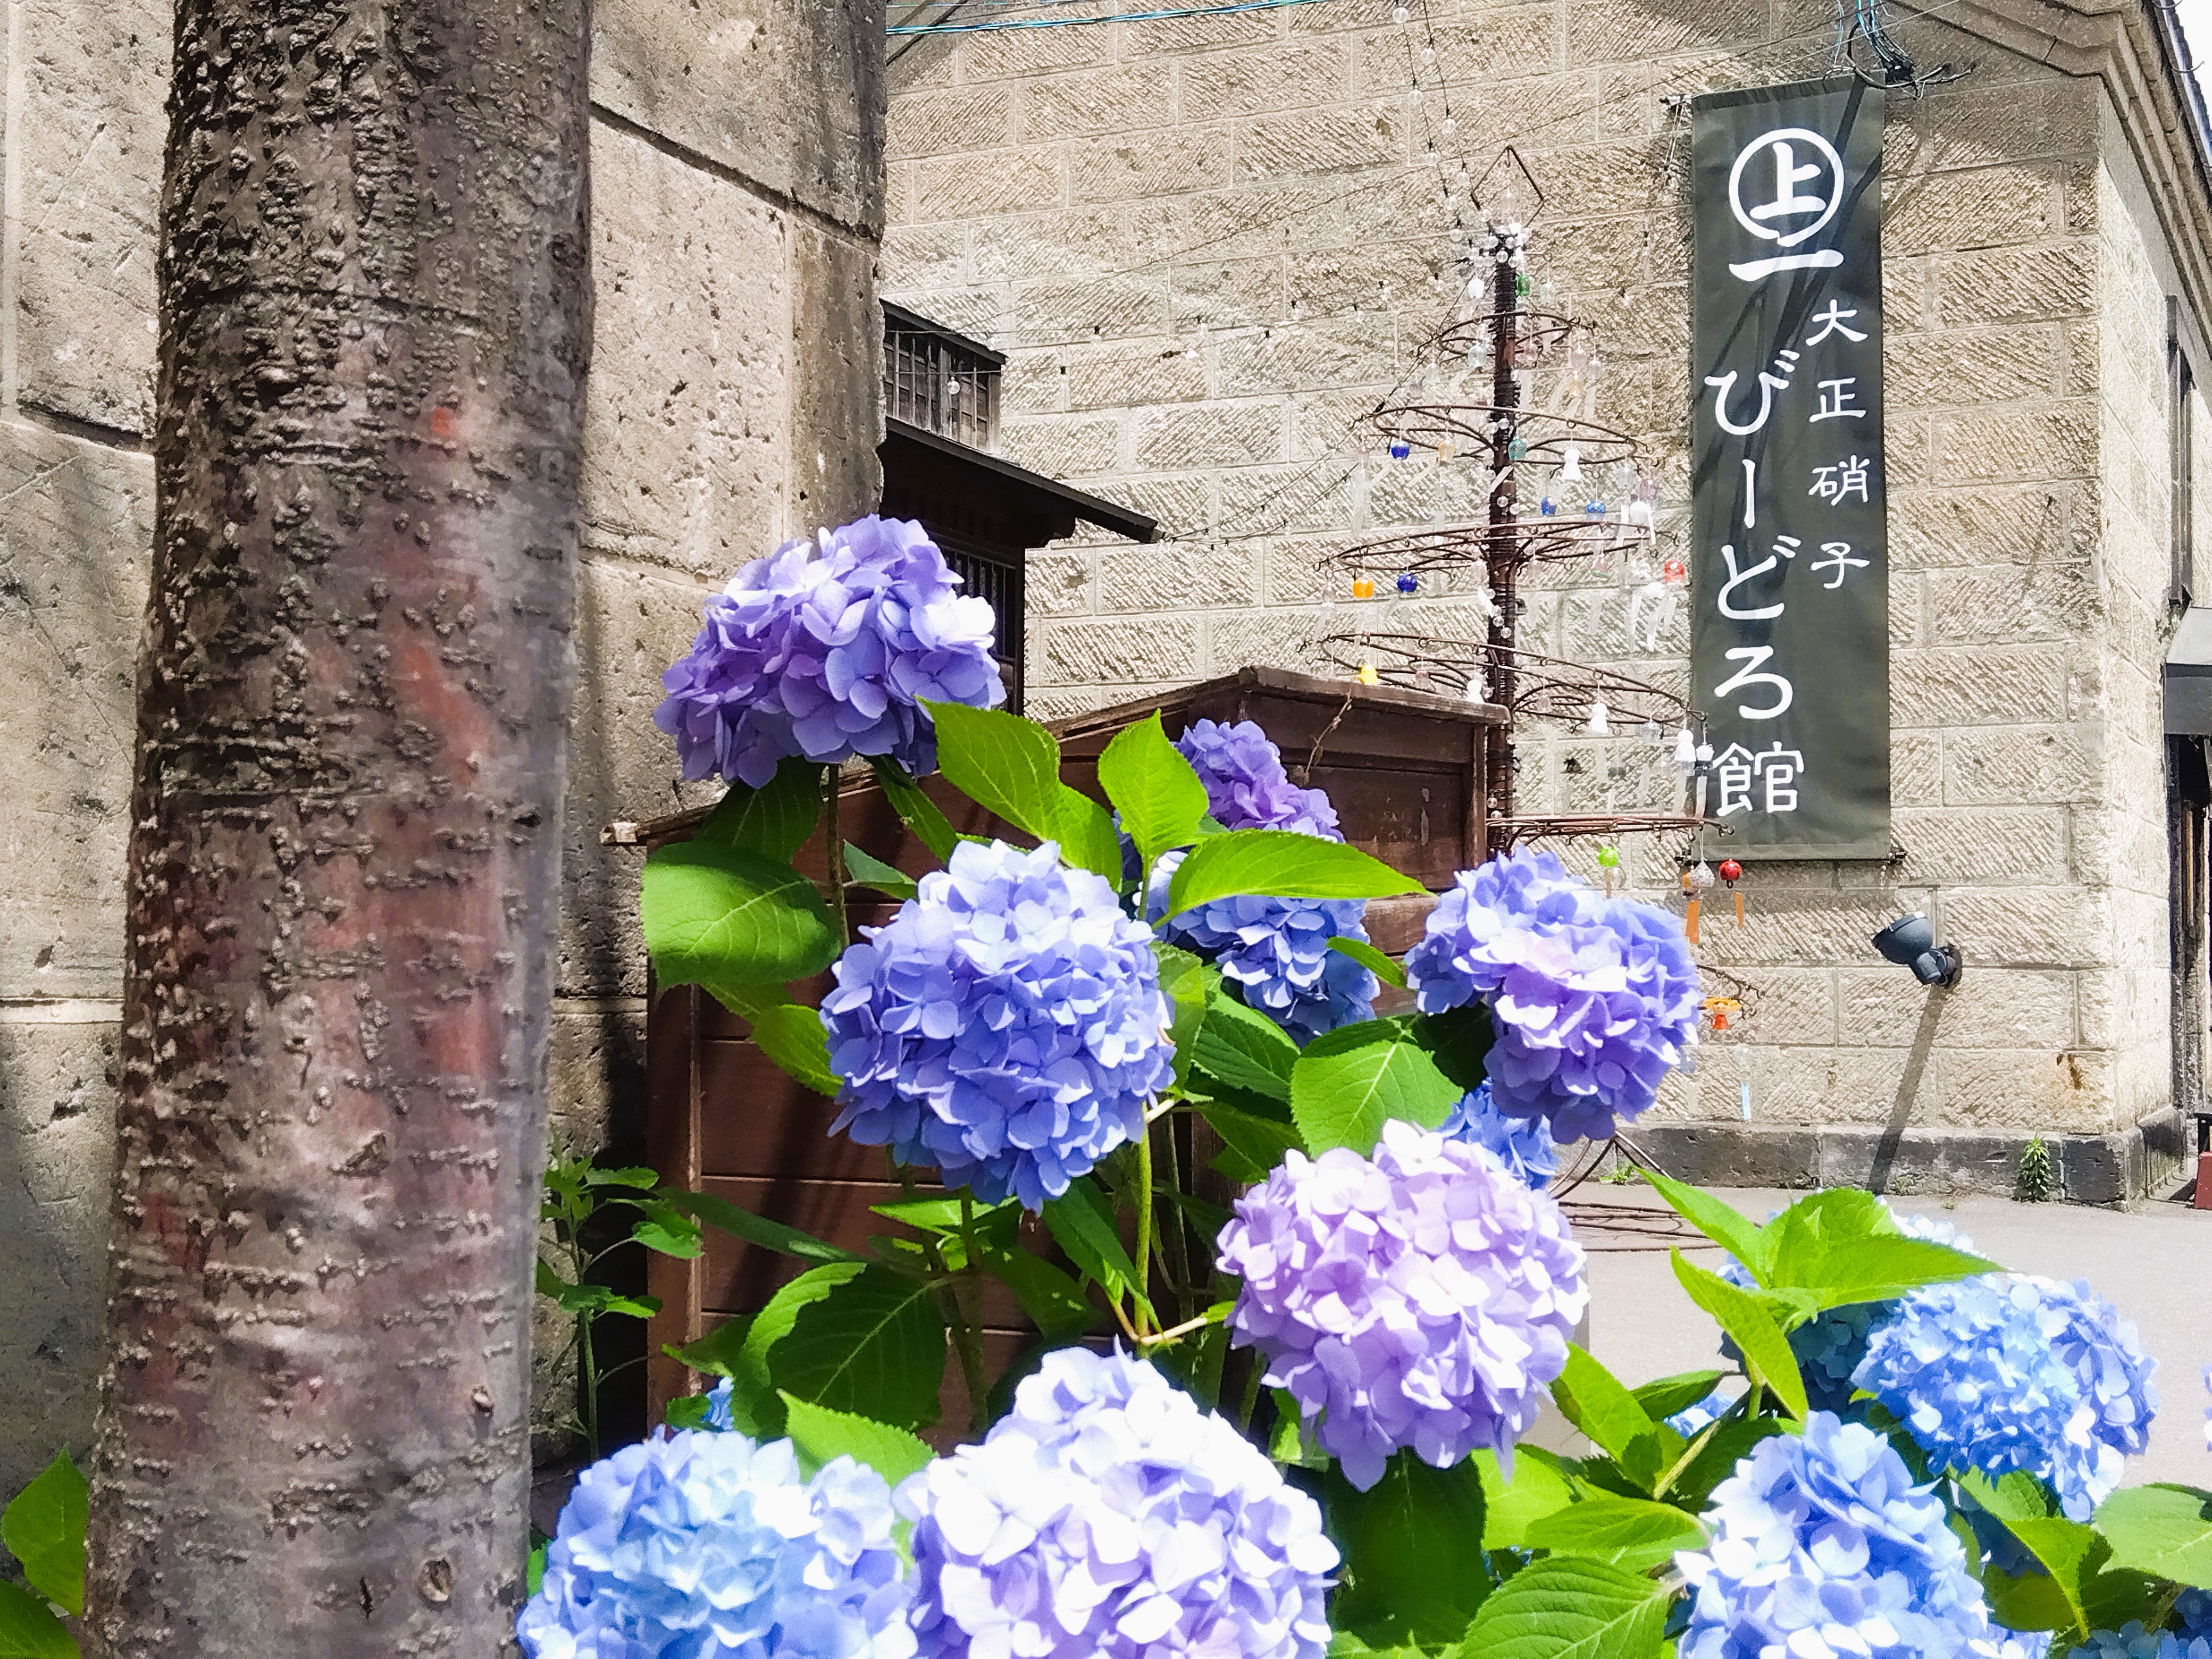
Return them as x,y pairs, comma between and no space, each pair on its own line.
1789,635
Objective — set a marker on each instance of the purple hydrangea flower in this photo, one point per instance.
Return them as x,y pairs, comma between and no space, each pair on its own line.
1246,787
1421,1300
2010,1372
1276,953
710,1547
1523,1145
1822,1545
2132,1641
830,655
1107,1516
1593,999
1007,1025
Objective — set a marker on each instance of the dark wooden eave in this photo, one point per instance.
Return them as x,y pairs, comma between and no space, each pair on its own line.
1046,509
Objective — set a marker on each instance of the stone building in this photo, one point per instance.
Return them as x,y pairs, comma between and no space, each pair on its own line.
734,401
1207,246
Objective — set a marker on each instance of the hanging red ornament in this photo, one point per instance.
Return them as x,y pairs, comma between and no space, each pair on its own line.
1732,873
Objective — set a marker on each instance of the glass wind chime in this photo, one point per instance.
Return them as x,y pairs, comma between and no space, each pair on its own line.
1593,498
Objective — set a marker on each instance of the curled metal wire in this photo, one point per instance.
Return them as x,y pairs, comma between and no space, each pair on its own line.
1544,687
1463,423
1514,542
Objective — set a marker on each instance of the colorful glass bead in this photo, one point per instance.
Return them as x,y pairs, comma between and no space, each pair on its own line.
1521,285
1674,572
1368,676
1363,588
1593,509
1516,449
1548,506
1407,581
1400,449
1608,858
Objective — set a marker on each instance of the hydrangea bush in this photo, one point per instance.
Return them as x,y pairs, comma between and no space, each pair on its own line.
1109,1516
827,649
1595,999
1006,1027
1301,1297
709,1544
1822,1543
1418,1300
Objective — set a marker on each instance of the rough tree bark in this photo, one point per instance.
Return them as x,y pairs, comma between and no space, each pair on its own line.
345,849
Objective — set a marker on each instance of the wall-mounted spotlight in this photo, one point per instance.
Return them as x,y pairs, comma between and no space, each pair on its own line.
1909,942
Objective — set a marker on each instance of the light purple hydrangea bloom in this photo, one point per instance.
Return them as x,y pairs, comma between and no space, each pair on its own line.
1246,787
2132,1641
1523,1145
1593,999
830,656
1107,1516
709,1546
1276,953
1006,1025
1421,1300
2007,1372
1823,1547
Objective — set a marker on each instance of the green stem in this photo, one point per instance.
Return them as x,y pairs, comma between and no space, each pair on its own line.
833,850
1144,1259
586,1360
968,1298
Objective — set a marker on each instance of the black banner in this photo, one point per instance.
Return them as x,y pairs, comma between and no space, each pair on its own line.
1789,635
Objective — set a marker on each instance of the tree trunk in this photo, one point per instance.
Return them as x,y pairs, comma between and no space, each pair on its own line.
345,849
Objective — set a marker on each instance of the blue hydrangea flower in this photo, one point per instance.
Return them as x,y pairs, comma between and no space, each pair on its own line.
2009,1372
719,1413
1107,1516
1829,1346
2193,1615
1006,1025
1593,999
1276,953
830,654
1246,787
709,1547
1523,1145
1823,1548
1423,1298
1694,1419
2132,1641
1274,950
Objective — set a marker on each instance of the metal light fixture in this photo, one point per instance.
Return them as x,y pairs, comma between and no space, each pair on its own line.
1909,942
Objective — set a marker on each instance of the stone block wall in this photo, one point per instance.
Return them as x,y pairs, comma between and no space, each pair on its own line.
1209,247
734,401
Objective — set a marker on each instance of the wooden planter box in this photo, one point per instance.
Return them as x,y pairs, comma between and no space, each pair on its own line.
1404,770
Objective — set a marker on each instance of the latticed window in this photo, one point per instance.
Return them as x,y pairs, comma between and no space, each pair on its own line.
938,381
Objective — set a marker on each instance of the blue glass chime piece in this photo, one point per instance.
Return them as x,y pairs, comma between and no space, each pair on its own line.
1407,581
1516,449
1400,449
1593,509
1548,506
